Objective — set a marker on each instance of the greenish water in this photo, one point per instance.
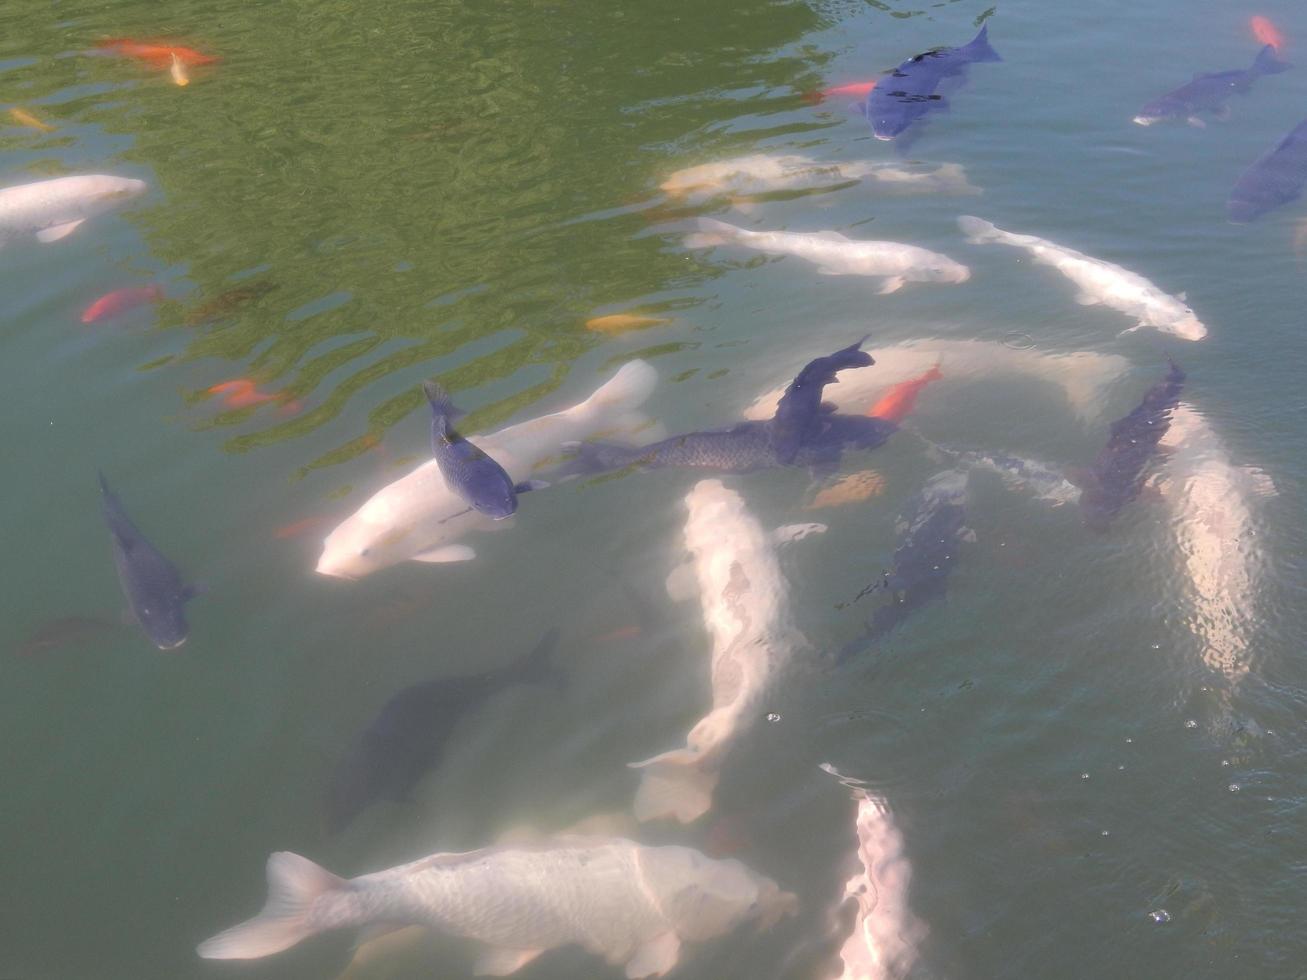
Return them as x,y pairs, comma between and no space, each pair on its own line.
385,193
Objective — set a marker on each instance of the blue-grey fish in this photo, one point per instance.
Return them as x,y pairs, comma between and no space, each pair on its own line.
153,585
408,736
905,94
798,413
1117,474
467,469
932,530
1210,92
1274,179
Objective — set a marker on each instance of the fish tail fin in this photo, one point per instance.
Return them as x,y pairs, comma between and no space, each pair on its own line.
979,50
442,407
294,884
673,785
1267,63
587,458
711,232
538,666
978,230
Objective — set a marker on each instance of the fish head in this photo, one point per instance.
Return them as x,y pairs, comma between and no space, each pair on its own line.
944,269
363,543
498,502
1189,327
704,897
165,623
103,189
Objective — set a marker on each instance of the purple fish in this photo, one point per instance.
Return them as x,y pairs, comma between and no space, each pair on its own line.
1273,180
1210,92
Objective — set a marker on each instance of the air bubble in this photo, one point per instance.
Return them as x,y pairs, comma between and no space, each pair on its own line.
1084,775
1191,724
1160,916
773,716
1235,787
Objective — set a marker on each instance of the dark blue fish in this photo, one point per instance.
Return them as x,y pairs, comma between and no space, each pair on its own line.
934,527
1210,92
905,94
798,413
408,736
153,585
469,471
1117,474
1273,180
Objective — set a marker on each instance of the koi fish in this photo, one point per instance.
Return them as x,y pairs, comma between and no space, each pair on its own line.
1210,92
897,403
851,489
857,90
242,393
120,301
228,302
1272,180
618,323
52,210
1267,33
25,118
157,55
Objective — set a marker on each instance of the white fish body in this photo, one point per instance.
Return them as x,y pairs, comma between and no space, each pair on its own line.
1213,507
1083,377
1100,283
418,517
763,173
886,934
54,209
630,904
836,255
746,610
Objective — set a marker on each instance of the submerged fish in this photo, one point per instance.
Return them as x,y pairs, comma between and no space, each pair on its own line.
631,904
930,535
1101,283
25,118
836,255
1210,92
1117,474
228,302
905,94
746,609
798,417
1266,32
897,403
408,736
419,517
468,469
153,585
156,54
54,209
1213,503
850,489
619,323
1081,377
763,173
120,301
241,393
857,90
886,935
1273,180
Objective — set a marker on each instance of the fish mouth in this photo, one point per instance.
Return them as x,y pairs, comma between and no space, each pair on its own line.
171,646
879,136
323,568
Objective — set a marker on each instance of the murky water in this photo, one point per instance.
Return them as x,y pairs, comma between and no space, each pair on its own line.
1093,747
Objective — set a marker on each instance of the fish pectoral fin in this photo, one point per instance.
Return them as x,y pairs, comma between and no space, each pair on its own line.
526,486
56,232
1196,123
892,285
681,582
1138,326
496,962
449,553
790,533
656,957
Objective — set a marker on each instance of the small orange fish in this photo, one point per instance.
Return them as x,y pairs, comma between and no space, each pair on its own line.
25,118
849,490
156,54
296,528
240,393
617,323
120,301
1267,33
857,90
897,403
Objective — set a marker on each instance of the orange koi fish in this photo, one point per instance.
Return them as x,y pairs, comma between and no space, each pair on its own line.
897,403
1267,33
120,301
156,54
618,323
25,118
856,90
241,393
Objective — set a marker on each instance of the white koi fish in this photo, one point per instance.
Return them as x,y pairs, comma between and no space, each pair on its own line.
836,255
631,904
746,609
418,517
54,209
763,173
1100,283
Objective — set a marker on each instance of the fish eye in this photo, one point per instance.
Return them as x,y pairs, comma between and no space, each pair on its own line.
365,552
